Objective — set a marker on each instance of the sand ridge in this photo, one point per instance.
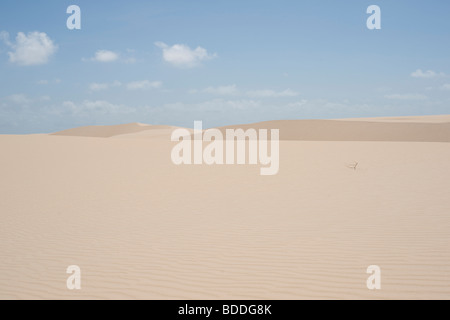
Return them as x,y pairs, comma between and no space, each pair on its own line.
110,131
412,129
416,119
341,130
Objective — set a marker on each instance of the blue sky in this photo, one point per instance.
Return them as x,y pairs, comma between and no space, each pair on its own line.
222,62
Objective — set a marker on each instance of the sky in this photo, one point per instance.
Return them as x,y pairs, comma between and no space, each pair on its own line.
221,62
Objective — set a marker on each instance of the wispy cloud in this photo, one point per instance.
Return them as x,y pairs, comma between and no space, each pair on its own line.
220,90
34,48
221,105
272,93
20,99
104,86
297,104
180,55
407,96
97,107
446,87
231,90
426,74
134,85
144,85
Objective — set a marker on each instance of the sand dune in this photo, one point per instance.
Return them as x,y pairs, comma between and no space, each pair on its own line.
332,130
412,129
165,132
140,227
416,119
110,131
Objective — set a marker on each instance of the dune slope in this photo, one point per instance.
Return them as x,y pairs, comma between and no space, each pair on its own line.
342,130
109,131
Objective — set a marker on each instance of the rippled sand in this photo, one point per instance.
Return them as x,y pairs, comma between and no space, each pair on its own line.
111,201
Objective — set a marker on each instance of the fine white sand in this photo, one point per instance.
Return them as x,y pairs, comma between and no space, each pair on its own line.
109,200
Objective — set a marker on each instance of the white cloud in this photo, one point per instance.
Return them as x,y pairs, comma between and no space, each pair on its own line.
20,99
135,85
42,82
99,107
143,85
98,86
272,93
105,56
426,74
34,48
297,104
446,86
215,105
103,86
220,90
407,96
233,90
181,55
